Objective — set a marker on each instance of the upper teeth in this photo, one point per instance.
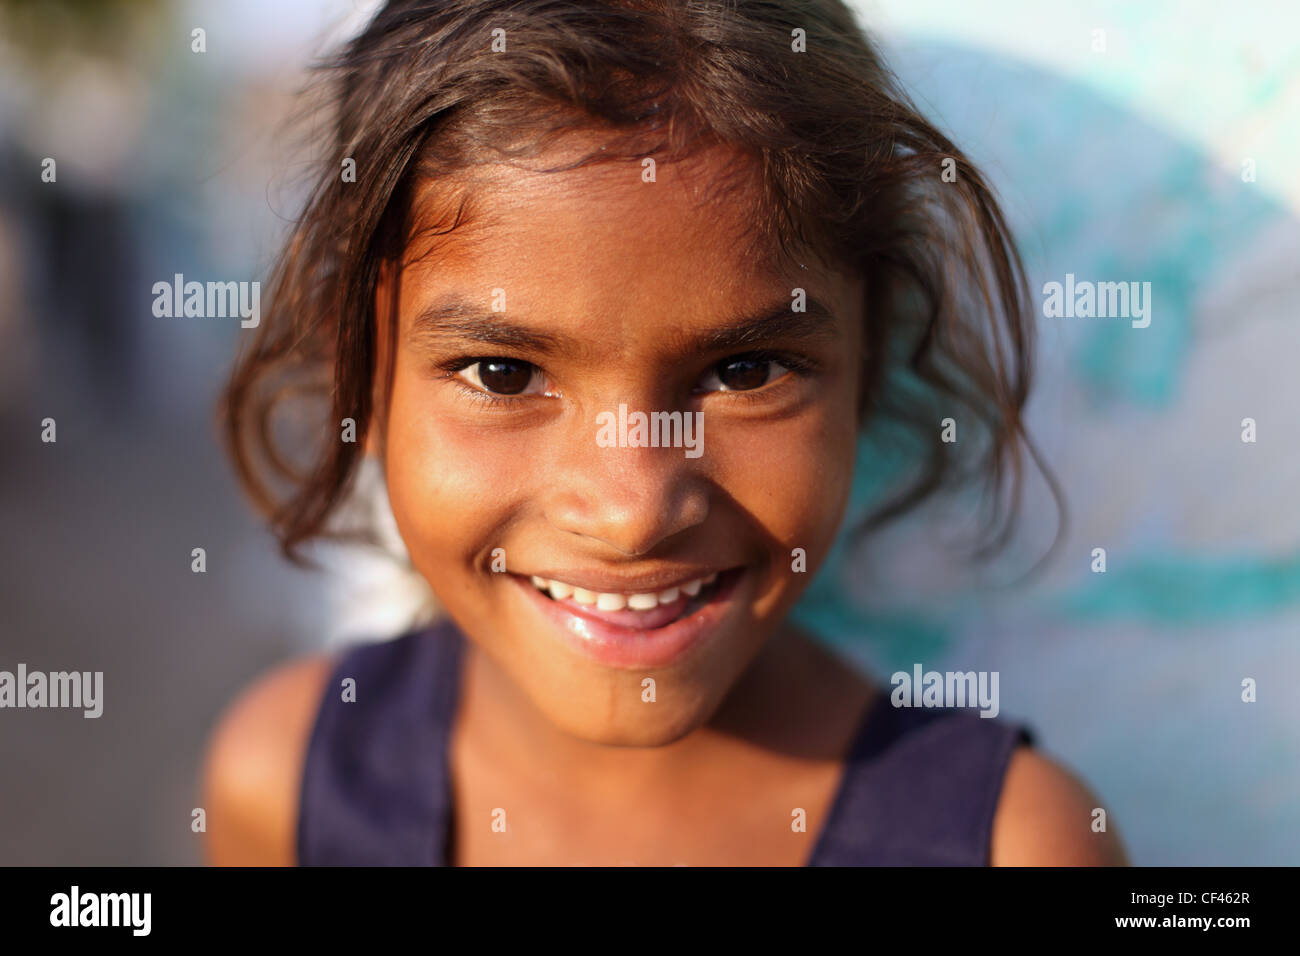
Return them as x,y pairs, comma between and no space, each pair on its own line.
617,602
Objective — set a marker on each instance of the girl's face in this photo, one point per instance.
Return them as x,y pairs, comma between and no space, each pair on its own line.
529,343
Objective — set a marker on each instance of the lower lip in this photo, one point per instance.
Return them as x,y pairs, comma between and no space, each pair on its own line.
631,648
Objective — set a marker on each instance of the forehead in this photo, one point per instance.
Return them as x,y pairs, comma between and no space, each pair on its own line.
620,231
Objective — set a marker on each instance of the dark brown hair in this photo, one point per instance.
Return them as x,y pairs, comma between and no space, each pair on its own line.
848,169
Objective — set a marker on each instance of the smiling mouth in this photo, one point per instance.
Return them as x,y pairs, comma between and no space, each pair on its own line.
639,611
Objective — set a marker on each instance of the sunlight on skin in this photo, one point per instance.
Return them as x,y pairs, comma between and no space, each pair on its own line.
625,271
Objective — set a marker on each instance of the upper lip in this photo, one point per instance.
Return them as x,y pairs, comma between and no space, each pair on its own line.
604,583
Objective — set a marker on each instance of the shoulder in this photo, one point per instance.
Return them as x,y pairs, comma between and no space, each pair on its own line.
1045,818
253,765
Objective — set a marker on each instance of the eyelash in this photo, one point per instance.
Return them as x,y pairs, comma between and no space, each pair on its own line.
479,396
796,364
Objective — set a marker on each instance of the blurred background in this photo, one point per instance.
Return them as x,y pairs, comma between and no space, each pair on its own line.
1120,159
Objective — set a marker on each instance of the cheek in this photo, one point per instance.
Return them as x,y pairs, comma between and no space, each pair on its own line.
448,483
793,477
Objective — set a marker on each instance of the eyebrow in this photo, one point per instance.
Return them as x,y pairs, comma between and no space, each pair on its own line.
457,318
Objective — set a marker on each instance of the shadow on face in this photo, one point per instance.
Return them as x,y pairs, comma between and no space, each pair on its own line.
527,343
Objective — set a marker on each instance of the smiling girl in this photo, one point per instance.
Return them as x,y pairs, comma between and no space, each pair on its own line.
727,211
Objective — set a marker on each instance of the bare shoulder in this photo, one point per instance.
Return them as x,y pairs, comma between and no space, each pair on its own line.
253,763
1045,818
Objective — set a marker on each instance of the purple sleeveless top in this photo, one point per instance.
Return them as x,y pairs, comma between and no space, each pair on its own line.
919,786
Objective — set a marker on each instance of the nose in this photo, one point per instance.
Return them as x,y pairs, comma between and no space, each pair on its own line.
629,499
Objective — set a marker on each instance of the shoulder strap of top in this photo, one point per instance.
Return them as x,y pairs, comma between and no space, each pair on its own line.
375,781
920,788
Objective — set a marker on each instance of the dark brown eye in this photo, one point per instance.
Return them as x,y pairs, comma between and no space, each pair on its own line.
743,373
503,376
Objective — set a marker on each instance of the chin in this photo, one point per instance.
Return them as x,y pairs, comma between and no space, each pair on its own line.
659,726
641,735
